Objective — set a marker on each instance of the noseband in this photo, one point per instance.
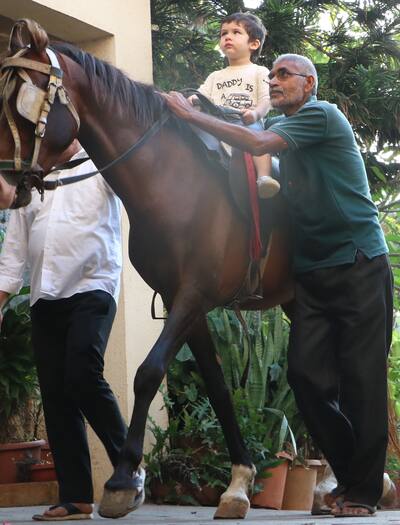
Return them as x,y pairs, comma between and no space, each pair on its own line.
34,104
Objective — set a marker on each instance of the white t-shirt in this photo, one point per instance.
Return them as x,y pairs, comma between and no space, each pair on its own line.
239,87
71,241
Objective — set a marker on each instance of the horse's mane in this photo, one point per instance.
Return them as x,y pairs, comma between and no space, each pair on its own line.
112,87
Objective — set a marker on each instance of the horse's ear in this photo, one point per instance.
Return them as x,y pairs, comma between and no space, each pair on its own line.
25,33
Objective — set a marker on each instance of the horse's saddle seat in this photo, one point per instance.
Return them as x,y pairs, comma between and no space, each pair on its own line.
230,159
216,150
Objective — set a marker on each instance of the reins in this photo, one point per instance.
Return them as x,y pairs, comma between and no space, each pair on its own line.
52,185
42,102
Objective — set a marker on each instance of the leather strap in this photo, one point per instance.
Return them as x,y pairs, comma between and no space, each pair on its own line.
26,63
52,185
54,88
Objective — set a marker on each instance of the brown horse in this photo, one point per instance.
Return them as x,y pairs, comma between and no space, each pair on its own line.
187,241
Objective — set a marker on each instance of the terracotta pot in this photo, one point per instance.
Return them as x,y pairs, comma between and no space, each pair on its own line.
319,465
45,454
299,488
207,496
271,496
161,492
43,472
13,453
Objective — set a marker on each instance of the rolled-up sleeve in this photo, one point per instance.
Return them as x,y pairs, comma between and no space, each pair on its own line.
13,253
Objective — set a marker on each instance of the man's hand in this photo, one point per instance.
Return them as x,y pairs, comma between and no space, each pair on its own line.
249,116
178,104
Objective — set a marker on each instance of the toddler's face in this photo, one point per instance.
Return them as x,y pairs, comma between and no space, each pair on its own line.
234,41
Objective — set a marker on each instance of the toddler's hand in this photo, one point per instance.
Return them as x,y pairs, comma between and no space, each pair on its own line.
194,100
249,116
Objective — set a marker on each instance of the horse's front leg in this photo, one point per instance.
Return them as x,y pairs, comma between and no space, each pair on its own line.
234,503
124,491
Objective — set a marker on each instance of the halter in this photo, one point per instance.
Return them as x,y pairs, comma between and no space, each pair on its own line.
34,104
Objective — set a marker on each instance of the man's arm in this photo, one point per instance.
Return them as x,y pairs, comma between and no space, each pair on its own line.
255,142
11,265
13,256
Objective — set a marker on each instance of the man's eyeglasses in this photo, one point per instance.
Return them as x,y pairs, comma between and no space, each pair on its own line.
283,74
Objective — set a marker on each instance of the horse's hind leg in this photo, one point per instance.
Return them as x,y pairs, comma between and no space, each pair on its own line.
124,491
234,502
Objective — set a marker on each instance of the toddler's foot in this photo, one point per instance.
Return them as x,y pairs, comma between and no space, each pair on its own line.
267,187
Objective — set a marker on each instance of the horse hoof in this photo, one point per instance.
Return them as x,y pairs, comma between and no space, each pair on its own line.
232,508
119,503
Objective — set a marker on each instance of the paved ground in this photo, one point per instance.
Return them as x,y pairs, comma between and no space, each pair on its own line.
174,515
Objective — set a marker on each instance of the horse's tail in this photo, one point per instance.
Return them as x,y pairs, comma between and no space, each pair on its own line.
27,32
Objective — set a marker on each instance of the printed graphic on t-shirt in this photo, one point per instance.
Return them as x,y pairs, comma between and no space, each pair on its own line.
241,99
237,100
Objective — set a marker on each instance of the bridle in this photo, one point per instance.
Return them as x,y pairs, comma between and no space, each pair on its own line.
34,104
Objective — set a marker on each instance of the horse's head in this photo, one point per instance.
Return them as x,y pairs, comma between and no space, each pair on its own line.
37,119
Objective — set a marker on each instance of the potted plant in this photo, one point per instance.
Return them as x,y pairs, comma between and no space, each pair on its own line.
271,479
20,406
188,463
300,485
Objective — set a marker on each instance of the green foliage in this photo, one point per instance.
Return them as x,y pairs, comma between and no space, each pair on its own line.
262,405
267,341
18,378
394,373
392,467
183,39
192,450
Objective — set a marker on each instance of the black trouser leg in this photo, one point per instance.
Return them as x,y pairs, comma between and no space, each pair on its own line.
88,333
314,377
337,368
69,338
365,324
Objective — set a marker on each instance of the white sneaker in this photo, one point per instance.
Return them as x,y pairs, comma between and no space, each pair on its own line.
267,187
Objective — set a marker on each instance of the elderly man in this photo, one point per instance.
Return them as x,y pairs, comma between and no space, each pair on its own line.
342,322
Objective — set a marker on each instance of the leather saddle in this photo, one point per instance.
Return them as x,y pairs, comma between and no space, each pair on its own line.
230,159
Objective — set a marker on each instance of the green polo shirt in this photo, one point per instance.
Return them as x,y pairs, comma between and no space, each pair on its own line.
324,180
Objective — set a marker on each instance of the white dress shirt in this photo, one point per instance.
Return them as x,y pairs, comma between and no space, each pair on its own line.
71,241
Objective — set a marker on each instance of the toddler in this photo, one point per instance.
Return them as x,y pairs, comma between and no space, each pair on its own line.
243,85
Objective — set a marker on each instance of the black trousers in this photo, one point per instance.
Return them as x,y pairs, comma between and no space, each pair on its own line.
337,366
69,339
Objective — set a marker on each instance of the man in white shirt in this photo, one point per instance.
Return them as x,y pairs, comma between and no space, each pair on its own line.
72,246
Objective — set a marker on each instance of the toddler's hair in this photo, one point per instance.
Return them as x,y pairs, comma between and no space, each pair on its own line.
253,26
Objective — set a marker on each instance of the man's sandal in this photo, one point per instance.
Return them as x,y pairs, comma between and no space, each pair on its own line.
341,506
73,513
331,499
